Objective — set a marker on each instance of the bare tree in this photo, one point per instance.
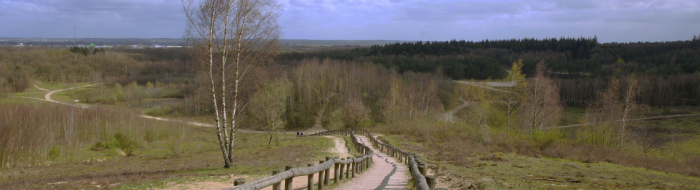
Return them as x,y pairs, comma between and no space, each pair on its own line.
604,114
646,137
242,31
542,106
630,102
355,112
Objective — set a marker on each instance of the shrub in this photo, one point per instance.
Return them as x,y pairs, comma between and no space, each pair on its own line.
54,153
335,120
124,143
118,141
98,146
546,138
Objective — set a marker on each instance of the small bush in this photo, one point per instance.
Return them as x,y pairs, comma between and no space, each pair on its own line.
98,146
124,143
546,138
335,120
54,153
118,141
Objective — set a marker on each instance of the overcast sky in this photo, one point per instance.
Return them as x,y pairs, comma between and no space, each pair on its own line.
427,20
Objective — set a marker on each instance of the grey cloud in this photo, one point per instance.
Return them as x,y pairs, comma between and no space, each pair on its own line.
611,20
106,18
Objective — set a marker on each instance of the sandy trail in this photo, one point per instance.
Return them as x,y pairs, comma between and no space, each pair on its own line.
340,149
487,85
385,173
42,89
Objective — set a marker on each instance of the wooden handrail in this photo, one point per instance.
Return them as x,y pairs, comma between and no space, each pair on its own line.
410,159
363,161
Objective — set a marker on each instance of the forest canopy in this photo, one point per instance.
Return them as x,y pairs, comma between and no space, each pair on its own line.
583,57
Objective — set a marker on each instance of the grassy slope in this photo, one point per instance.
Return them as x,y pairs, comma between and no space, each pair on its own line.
156,164
512,171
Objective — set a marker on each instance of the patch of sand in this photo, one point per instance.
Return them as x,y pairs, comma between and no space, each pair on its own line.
340,150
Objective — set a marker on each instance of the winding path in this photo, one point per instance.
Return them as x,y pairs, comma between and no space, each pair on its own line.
385,173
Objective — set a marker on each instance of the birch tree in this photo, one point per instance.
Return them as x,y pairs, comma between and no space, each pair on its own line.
604,114
629,103
227,37
515,96
542,106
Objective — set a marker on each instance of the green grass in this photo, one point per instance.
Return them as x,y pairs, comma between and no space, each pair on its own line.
58,86
350,146
33,92
66,96
572,115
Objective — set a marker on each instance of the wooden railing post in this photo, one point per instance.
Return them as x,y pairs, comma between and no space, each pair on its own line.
354,167
320,177
359,167
275,186
421,168
342,168
335,171
431,181
328,173
310,183
406,156
347,173
288,181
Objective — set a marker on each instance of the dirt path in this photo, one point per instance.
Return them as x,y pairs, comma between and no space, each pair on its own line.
487,85
48,95
385,173
340,149
42,89
449,116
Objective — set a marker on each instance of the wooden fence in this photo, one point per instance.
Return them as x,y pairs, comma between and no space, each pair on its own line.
344,168
358,164
416,166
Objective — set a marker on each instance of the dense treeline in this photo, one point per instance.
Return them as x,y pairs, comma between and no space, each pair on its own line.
563,55
577,47
658,91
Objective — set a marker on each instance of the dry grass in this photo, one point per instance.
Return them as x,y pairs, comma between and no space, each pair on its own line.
455,143
31,131
162,162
